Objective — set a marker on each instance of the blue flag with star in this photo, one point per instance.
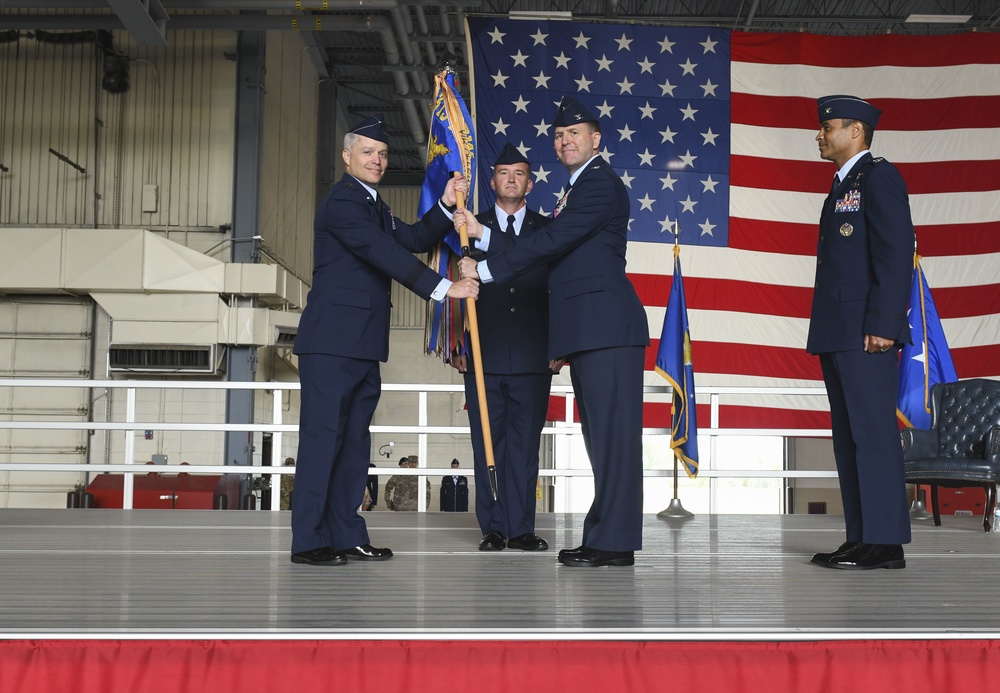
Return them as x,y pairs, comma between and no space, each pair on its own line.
451,143
661,96
451,146
675,363
925,362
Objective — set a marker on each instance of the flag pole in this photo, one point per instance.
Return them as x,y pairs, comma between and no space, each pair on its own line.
675,510
472,317
918,508
477,363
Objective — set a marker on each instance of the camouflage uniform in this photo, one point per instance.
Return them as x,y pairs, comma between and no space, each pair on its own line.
401,492
287,485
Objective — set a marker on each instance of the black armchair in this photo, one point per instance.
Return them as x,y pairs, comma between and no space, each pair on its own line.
962,446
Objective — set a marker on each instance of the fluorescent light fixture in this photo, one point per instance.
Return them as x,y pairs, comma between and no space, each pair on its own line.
938,18
555,14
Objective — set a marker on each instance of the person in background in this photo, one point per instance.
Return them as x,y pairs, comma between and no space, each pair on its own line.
401,490
287,485
454,491
371,491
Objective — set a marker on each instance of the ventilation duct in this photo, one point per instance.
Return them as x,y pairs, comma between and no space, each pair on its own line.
284,335
165,358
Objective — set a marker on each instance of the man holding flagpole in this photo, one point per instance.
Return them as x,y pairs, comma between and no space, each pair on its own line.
597,323
863,263
360,246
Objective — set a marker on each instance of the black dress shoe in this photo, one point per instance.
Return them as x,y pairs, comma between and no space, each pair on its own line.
824,558
592,558
367,552
870,557
528,542
563,553
321,556
492,541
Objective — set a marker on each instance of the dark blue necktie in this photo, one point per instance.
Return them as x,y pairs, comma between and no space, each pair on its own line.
511,235
383,212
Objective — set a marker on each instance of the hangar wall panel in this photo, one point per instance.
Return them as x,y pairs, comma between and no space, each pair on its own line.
43,337
288,158
172,129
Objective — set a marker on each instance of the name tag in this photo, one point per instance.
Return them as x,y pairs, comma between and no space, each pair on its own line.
851,202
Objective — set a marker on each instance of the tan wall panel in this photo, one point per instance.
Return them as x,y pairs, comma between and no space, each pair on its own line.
57,402
194,406
288,160
52,358
813,454
47,99
43,337
27,499
172,129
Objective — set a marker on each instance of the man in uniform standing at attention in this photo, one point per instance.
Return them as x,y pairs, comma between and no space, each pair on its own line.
513,329
864,262
454,497
359,247
597,324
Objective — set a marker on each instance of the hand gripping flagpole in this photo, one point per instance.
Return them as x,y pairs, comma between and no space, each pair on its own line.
676,510
455,116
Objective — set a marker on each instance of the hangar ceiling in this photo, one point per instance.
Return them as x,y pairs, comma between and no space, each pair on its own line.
382,54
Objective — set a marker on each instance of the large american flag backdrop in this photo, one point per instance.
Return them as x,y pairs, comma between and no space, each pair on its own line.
714,129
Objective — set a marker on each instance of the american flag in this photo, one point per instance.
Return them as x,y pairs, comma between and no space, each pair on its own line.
714,129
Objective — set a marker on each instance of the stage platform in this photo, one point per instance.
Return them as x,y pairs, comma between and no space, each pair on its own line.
111,601
226,574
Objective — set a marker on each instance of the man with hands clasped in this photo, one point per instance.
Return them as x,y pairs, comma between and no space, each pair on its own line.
864,262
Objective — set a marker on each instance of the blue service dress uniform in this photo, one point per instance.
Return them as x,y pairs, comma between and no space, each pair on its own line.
513,330
454,494
598,323
359,247
864,263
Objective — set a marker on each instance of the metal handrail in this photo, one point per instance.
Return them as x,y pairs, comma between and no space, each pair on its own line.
563,428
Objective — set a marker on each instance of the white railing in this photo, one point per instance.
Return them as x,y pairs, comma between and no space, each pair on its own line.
422,430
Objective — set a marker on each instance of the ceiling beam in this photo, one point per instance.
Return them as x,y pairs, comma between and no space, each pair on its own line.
145,20
340,22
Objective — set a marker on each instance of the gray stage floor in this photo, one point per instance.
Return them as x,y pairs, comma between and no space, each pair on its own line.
226,574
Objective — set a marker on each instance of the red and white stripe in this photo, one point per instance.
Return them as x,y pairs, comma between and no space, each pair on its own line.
748,304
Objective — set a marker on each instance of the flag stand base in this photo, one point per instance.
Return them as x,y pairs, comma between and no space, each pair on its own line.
675,511
918,511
